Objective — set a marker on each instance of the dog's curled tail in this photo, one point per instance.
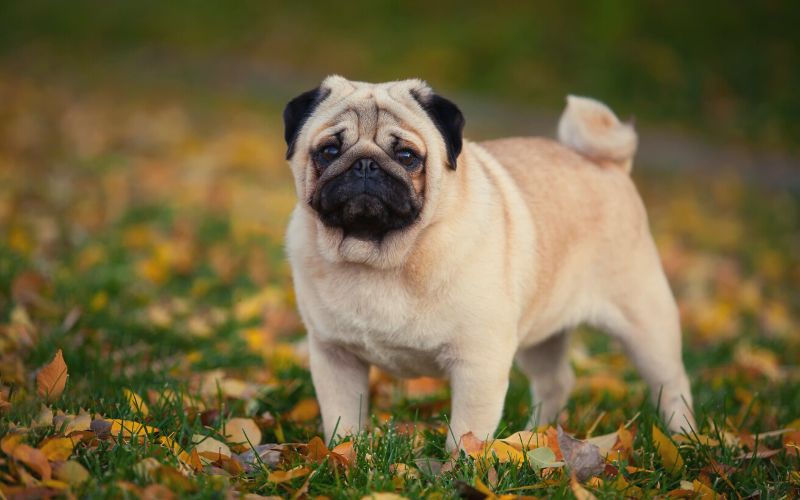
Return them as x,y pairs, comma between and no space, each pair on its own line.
589,127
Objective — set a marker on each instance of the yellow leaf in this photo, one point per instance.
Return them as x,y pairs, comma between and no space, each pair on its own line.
305,410
129,428
704,492
51,380
281,476
242,432
526,440
383,495
136,403
72,473
57,449
176,449
670,457
504,452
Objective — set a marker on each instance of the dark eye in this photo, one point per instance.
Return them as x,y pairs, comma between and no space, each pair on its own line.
406,157
329,153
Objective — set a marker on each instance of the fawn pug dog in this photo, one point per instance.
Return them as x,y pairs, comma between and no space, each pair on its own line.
428,255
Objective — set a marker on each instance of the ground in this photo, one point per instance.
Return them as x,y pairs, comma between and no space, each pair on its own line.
141,232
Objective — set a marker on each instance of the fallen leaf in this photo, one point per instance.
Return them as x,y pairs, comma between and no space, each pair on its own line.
210,448
542,457
668,452
136,403
71,472
51,380
34,459
130,428
242,433
304,410
470,444
344,453
504,452
11,441
57,449
281,476
268,454
583,458
383,495
579,491
72,423
44,419
526,440
157,492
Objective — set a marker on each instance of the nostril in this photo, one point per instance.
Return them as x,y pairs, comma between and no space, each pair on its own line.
365,166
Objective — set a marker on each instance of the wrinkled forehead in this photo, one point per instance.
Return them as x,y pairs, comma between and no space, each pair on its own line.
359,109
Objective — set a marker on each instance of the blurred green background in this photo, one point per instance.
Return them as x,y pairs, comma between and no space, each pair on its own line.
730,70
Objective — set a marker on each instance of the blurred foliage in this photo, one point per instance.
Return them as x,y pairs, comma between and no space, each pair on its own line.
730,69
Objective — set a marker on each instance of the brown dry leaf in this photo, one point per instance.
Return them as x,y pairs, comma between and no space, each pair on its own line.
34,459
51,380
281,476
72,473
670,457
157,492
136,403
57,449
304,410
242,433
344,453
470,444
579,491
316,451
583,458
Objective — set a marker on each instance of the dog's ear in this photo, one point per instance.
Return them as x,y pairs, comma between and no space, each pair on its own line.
297,112
447,118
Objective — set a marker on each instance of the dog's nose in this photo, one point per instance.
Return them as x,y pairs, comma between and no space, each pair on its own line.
365,167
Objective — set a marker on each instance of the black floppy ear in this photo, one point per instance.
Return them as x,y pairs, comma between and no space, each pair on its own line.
297,112
448,119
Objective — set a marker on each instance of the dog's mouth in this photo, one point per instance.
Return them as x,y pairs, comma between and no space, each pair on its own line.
366,208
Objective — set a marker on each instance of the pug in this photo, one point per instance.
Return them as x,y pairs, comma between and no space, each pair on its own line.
426,254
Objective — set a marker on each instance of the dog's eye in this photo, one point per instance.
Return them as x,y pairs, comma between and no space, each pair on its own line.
406,157
329,153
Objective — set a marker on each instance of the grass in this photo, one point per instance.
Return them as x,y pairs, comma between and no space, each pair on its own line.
143,237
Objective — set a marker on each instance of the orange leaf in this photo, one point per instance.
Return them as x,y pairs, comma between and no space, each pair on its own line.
57,449
51,379
11,441
280,476
316,451
305,410
579,491
34,459
345,453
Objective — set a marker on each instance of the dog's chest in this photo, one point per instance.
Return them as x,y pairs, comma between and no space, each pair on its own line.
381,321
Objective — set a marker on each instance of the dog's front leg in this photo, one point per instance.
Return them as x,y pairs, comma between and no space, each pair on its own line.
479,389
341,382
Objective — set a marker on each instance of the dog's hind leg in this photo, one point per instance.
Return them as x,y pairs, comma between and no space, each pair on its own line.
645,319
547,367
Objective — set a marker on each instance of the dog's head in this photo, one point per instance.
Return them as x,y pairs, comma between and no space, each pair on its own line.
368,160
